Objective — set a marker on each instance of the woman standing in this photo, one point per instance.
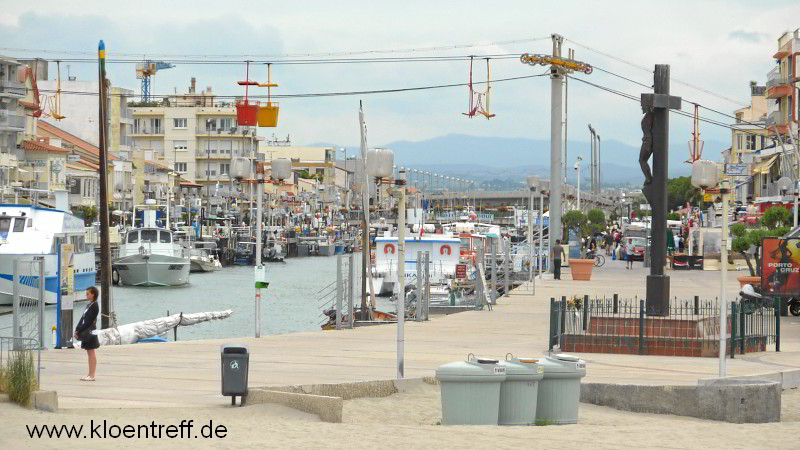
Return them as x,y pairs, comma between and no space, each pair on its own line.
83,332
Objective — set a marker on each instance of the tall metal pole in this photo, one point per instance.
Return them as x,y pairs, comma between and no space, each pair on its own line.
556,181
541,257
599,168
365,218
578,165
259,212
591,158
105,246
723,304
401,273
530,235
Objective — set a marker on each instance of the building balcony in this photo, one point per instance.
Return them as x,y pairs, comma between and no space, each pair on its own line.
11,120
204,177
12,89
147,131
240,132
213,154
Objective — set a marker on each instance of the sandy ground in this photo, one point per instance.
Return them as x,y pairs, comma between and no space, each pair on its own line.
408,420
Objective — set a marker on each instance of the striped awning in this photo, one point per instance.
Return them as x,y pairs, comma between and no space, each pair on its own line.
764,166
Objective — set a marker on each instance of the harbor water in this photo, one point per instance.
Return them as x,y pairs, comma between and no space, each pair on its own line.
290,304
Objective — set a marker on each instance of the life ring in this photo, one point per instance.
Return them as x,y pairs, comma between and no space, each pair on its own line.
445,248
388,247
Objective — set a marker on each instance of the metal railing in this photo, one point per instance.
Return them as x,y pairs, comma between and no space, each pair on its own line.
11,344
691,328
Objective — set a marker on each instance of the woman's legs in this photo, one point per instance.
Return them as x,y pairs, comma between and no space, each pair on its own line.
92,362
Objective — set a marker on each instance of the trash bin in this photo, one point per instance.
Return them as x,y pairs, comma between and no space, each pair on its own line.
235,365
471,391
519,391
560,390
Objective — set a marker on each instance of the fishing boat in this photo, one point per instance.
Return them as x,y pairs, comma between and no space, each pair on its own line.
444,256
149,256
28,233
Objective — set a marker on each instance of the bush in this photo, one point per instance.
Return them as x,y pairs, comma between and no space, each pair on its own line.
19,379
673,216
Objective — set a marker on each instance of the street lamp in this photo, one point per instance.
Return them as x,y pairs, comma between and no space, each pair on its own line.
704,175
533,185
578,168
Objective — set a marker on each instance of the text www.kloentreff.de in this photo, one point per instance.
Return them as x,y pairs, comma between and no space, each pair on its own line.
105,430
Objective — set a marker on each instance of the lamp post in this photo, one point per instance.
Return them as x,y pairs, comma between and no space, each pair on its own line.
704,175
578,168
533,184
401,299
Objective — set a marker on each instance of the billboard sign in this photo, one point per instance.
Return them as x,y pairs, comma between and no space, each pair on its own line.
780,266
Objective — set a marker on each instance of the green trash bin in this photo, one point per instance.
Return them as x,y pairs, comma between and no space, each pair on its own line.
560,389
471,391
519,392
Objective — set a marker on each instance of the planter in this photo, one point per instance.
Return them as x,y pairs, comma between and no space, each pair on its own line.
581,269
755,281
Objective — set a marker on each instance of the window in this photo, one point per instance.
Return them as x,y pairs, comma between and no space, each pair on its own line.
224,169
211,124
739,142
133,237
155,126
149,235
164,237
178,123
179,145
212,172
751,142
5,224
225,147
225,124
19,225
180,167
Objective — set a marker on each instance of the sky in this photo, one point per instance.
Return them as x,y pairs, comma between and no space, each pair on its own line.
718,46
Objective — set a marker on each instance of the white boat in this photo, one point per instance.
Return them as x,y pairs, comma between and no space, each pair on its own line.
444,256
202,261
31,232
150,257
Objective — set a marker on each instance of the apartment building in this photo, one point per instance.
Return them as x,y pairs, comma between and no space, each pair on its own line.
12,119
748,137
196,136
783,107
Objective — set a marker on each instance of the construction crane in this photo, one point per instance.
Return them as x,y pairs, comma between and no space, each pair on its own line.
147,69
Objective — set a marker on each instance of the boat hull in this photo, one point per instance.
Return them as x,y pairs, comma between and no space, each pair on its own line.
200,265
152,270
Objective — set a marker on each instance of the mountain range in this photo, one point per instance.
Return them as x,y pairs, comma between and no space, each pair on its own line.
510,160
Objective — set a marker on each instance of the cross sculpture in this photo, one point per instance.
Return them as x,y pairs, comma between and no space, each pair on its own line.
655,143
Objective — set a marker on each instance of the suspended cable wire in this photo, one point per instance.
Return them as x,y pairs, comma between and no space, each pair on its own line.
284,55
637,66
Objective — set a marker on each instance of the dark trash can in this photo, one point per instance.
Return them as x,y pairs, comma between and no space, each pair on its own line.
235,367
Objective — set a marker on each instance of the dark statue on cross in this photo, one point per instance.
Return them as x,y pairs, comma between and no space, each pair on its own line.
647,142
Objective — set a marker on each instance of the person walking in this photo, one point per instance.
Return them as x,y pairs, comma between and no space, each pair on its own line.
629,254
84,331
557,252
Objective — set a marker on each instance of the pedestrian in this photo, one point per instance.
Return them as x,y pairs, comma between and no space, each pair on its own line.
608,240
557,252
680,244
84,331
629,254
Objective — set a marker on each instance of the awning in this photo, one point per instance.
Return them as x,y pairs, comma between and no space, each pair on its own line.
764,166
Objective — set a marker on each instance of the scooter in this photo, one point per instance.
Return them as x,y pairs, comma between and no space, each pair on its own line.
752,298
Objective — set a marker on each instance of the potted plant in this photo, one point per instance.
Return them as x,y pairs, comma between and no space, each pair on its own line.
581,268
747,240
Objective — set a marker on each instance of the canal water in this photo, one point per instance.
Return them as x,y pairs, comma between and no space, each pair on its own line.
290,304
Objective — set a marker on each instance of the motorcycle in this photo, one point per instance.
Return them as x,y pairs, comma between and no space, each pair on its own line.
752,299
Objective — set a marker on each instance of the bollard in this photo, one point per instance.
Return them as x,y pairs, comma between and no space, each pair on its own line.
585,311
696,305
641,327
616,303
733,330
777,303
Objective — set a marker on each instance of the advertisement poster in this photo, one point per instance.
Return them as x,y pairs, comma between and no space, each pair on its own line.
67,276
780,266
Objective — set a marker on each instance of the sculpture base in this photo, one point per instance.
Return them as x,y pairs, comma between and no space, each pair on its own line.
657,300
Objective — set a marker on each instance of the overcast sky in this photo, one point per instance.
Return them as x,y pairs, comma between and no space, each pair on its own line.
717,45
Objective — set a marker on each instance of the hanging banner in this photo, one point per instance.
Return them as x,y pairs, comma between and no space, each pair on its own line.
780,267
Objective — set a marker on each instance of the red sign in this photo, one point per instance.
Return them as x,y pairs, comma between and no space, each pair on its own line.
461,271
780,266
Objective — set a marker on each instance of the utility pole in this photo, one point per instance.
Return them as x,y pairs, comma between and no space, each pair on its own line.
655,188
591,158
556,180
599,168
105,246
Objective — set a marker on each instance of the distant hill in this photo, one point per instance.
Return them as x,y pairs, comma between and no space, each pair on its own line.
486,158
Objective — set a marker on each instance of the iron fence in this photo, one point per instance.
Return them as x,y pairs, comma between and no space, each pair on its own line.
11,345
691,328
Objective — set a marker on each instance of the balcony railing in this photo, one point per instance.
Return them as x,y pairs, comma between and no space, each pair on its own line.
213,154
12,119
12,88
148,130
777,81
228,132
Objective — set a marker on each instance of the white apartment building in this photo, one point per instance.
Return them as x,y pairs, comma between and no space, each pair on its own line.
196,136
12,118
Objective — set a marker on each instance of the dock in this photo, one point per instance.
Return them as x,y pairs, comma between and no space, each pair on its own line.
187,373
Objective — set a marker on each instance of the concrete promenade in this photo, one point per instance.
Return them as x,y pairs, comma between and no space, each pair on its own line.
187,373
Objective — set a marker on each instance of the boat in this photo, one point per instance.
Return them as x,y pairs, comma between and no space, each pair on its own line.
28,233
201,260
444,256
149,256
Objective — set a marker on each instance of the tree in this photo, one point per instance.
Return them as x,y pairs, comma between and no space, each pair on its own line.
680,191
597,220
575,220
673,216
